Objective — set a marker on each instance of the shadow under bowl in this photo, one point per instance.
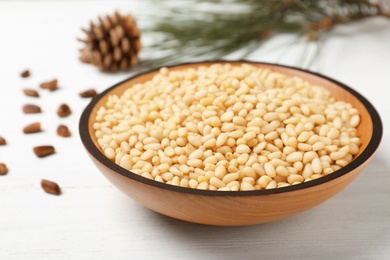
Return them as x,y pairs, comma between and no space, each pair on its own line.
234,208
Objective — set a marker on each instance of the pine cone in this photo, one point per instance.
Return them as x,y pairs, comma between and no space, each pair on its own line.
113,44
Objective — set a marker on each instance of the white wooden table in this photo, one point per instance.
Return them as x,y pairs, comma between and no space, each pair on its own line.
93,220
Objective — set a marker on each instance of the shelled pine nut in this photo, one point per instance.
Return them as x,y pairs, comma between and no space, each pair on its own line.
215,130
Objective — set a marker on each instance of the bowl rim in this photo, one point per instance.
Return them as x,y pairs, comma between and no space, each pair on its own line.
95,152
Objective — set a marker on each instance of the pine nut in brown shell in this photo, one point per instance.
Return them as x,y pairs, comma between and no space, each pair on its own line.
31,109
30,92
3,169
50,85
88,93
63,131
64,110
25,74
44,150
32,128
3,141
50,187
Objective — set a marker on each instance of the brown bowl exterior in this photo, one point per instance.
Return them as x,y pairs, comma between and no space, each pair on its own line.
234,208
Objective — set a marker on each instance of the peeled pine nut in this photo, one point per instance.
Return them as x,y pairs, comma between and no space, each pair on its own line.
227,127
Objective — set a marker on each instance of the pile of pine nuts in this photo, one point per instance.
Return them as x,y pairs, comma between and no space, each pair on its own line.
228,127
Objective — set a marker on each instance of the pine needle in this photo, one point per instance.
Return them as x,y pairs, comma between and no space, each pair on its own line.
199,30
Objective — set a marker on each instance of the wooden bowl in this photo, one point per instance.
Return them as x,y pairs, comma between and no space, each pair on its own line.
233,208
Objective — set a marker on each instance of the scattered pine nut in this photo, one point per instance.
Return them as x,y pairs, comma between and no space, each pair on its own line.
44,150
3,141
63,131
50,187
25,74
3,169
31,92
31,109
64,110
50,85
88,93
32,128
